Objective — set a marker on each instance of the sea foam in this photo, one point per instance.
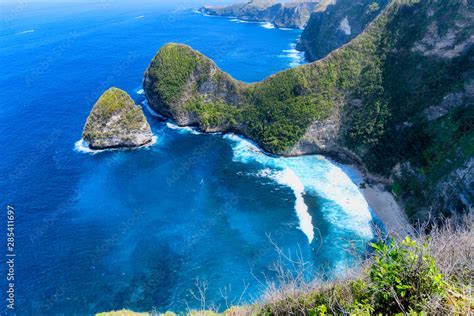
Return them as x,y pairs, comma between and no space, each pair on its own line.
24,32
274,168
289,178
343,204
267,25
296,57
183,129
151,111
242,21
81,147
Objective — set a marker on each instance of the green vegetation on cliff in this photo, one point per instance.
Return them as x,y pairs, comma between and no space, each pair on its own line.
115,121
113,100
277,111
172,68
386,92
212,114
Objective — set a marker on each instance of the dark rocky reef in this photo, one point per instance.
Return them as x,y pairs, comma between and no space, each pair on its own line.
115,122
293,14
336,23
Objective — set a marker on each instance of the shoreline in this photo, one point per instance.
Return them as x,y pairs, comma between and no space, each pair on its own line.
381,202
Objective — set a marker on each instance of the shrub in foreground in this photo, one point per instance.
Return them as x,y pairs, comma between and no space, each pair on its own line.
430,274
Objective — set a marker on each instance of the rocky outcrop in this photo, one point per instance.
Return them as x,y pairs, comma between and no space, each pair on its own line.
451,101
293,14
336,23
444,41
455,193
196,81
115,121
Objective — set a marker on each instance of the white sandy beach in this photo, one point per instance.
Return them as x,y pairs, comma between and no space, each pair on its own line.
383,204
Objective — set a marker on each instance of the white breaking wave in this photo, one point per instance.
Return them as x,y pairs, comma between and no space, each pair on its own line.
285,29
346,207
170,124
139,17
81,147
140,92
345,27
24,32
296,57
209,15
183,129
245,151
151,111
241,21
267,25
289,178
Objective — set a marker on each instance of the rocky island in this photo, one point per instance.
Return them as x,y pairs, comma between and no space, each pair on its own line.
115,122
292,14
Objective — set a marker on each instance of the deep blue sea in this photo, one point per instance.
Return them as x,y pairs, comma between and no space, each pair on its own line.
139,229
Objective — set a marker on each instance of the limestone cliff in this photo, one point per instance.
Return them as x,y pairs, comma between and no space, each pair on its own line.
335,23
293,14
115,121
179,81
398,98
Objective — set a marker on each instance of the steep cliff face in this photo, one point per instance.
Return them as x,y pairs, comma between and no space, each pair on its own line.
335,23
115,121
182,83
398,98
294,14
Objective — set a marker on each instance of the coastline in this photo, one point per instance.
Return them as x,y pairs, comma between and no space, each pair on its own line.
385,207
381,202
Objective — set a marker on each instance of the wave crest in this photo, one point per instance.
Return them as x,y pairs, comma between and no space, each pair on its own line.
343,204
81,147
